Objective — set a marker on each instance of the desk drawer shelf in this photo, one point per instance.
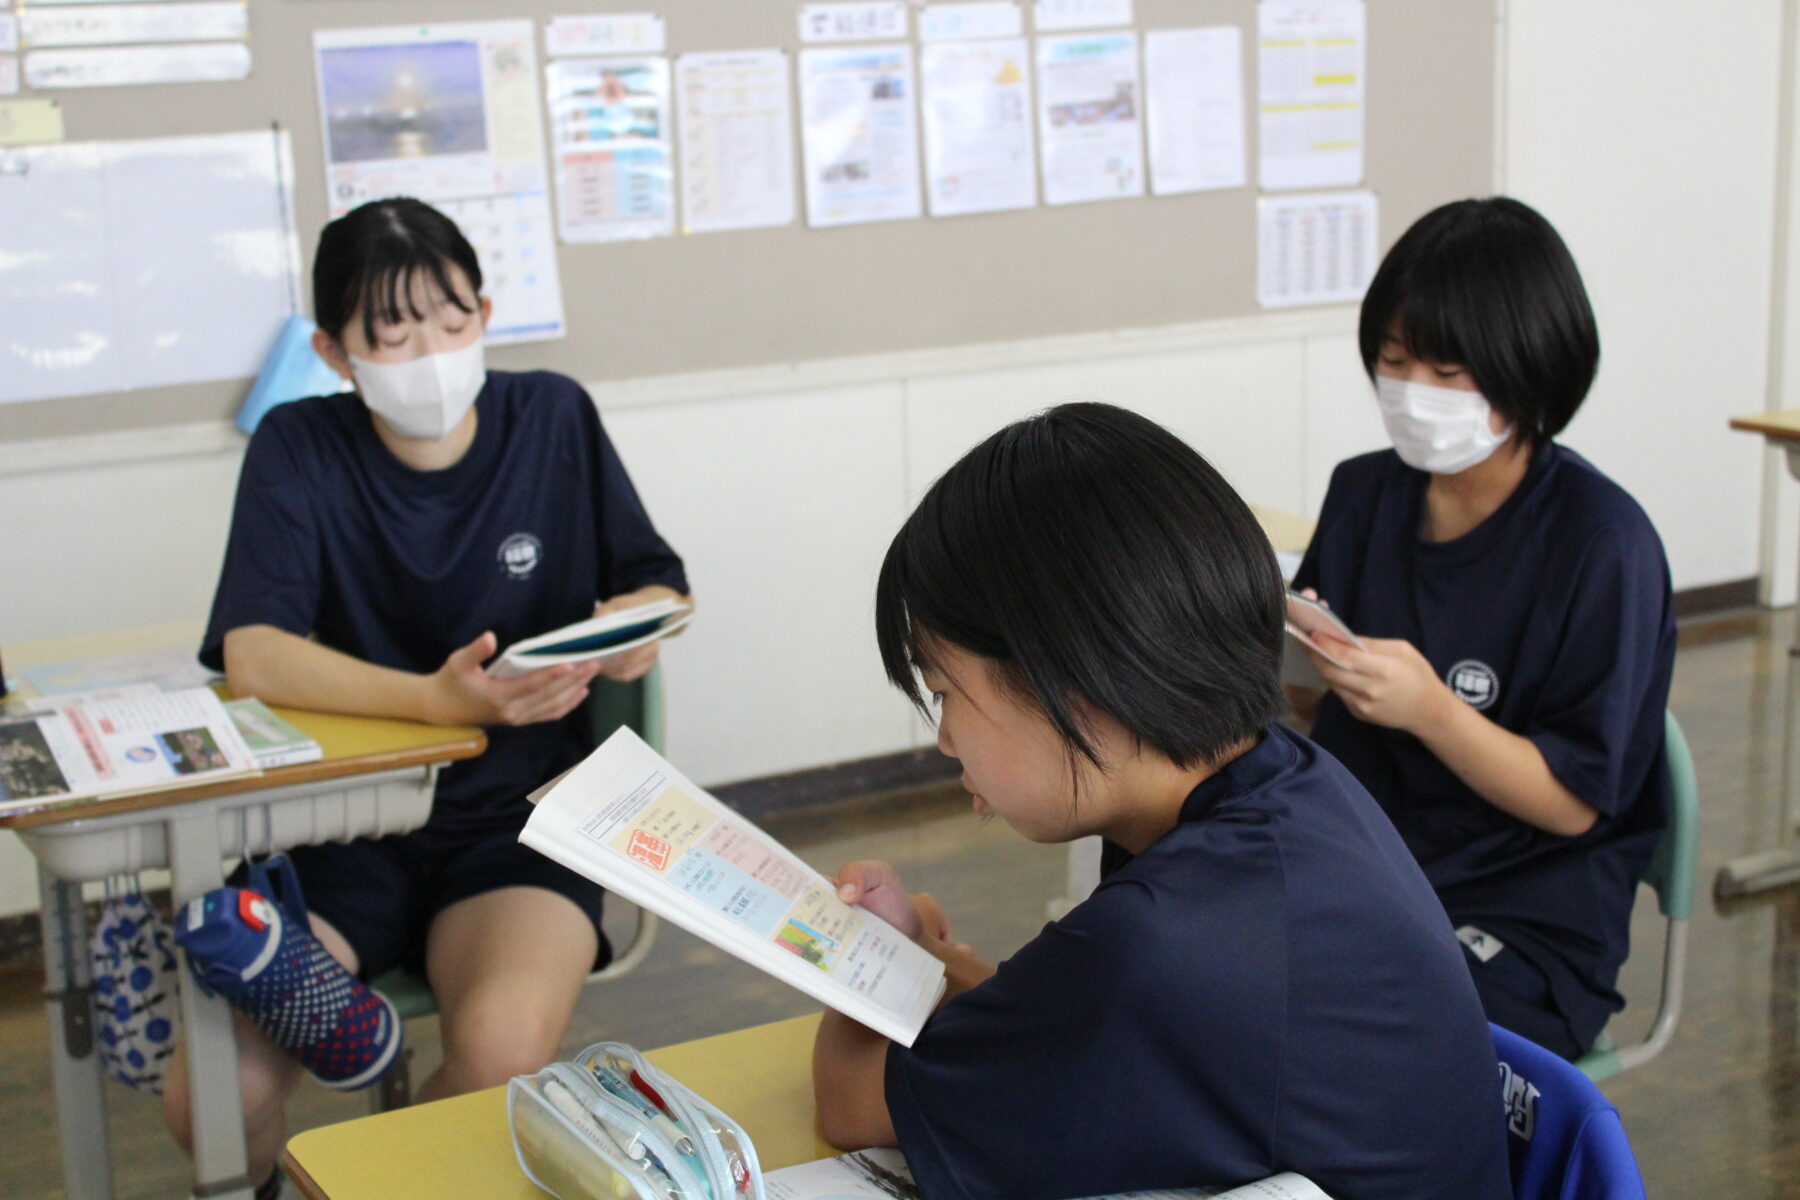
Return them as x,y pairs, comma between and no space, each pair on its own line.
261,822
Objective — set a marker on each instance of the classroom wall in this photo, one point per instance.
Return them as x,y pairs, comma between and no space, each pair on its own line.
1650,142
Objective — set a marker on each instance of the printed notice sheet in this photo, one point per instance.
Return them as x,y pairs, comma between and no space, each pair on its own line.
853,21
1195,86
126,66
859,136
979,155
628,820
882,1174
1048,15
1089,117
609,122
1315,249
607,33
968,21
737,140
450,114
1310,65
113,24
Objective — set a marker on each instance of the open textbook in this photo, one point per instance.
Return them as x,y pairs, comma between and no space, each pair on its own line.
129,743
631,822
882,1175
596,637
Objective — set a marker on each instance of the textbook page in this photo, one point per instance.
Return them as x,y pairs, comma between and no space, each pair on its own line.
629,821
133,744
882,1174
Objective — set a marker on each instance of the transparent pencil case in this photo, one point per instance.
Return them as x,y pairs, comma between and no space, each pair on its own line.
609,1126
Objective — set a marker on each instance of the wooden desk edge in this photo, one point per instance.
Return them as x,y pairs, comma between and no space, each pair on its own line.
1783,426
465,744
299,1178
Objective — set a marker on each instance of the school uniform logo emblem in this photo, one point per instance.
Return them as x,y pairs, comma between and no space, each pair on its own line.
519,555
1474,683
1520,1096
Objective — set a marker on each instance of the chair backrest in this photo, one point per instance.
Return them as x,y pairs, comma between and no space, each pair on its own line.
1676,861
1564,1137
637,705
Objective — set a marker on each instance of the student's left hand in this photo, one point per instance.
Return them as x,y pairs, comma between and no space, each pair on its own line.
1388,682
876,886
633,664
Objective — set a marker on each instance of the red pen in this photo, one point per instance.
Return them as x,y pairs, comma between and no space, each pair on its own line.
650,1093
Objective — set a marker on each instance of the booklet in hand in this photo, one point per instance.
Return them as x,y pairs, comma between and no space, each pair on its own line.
632,823
1307,618
594,638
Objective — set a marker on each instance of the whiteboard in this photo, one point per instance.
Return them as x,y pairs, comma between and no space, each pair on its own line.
145,263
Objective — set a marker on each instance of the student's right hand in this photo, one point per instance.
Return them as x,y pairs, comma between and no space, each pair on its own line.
461,692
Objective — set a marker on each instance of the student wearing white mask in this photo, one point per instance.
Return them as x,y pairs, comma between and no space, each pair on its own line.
1506,707
384,545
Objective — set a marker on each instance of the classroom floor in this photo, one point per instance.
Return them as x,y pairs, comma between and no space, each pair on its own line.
1717,1114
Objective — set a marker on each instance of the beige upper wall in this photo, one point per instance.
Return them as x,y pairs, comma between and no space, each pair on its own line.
724,300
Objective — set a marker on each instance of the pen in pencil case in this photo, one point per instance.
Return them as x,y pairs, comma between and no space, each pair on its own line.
740,1171
621,1088
570,1106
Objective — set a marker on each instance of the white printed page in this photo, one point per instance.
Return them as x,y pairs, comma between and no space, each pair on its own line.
1090,117
737,140
1196,106
979,154
1311,89
859,136
628,820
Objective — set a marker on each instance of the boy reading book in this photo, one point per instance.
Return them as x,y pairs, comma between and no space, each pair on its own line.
1268,984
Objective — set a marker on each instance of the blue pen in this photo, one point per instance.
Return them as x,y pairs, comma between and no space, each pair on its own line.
621,1088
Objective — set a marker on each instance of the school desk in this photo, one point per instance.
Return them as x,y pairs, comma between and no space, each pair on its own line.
375,777
761,1076
1780,864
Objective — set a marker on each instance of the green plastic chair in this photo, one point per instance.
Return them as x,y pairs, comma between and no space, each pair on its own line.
638,705
1673,869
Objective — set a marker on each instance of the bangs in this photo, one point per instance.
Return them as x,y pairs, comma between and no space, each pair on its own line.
388,293
911,617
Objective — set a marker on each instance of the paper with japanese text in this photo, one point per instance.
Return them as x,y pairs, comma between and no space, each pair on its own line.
628,820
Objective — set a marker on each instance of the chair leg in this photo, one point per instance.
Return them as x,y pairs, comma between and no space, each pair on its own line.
395,1089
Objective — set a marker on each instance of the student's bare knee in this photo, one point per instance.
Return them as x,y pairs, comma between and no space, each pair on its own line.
266,1076
494,1038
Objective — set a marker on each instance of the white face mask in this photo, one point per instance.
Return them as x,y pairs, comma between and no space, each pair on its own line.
425,397
1437,429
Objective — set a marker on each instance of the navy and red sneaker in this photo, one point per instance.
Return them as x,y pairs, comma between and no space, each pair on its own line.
241,946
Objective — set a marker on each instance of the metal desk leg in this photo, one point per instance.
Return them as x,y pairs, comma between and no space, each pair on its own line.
1779,866
74,1060
221,1169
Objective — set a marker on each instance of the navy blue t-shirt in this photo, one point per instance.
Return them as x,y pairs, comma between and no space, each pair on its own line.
1269,987
333,536
1554,618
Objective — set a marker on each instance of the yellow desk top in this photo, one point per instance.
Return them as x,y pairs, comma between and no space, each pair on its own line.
1285,530
761,1076
1783,426
351,745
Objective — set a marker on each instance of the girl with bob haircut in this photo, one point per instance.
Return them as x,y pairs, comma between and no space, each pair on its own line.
1267,984
1506,708
385,543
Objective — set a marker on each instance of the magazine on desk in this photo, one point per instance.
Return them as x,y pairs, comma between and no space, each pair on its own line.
632,823
133,743
882,1175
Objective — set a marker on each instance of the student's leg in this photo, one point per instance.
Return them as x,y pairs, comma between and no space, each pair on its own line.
1516,996
267,1075
506,967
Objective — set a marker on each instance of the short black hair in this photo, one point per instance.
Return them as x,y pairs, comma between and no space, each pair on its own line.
1091,555
367,260
1490,286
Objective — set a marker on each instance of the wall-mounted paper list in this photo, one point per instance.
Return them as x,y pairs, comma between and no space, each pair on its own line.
737,140
1315,249
1195,84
